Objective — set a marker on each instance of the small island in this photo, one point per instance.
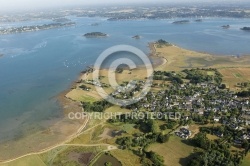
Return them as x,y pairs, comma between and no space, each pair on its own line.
225,26
181,22
245,28
95,24
198,20
95,34
136,37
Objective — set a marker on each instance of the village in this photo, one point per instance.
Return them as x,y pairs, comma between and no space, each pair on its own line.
202,102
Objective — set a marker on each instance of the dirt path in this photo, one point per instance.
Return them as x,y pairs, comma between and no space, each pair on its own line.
109,147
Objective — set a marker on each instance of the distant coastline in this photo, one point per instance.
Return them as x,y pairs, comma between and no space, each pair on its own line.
22,29
63,19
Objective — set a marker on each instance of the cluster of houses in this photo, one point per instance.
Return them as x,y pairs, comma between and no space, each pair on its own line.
200,99
183,133
84,87
128,91
205,100
239,140
95,83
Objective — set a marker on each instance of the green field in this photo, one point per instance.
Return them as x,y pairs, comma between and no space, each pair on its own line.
246,161
26,161
212,137
210,73
126,157
87,99
175,152
129,128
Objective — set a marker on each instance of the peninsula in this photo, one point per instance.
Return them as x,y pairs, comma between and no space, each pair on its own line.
185,81
208,91
181,22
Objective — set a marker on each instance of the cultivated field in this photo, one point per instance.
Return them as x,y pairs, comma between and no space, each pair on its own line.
175,152
126,157
232,76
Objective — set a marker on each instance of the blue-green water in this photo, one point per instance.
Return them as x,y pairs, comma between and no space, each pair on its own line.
37,66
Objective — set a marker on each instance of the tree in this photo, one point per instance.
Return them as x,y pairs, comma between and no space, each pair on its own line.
153,127
223,86
245,84
156,159
244,93
201,140
245,144
163,138
124,141
221,129
108,164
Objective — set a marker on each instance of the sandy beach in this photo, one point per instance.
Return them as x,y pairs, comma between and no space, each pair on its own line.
163,60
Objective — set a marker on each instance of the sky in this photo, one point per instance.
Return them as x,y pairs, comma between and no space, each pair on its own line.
34,4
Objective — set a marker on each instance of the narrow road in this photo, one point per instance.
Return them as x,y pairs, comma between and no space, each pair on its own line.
109,147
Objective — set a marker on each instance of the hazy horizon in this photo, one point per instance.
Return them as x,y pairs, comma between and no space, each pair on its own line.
15,5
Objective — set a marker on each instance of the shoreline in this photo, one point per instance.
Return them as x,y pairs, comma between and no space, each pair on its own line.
62,130
153,54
